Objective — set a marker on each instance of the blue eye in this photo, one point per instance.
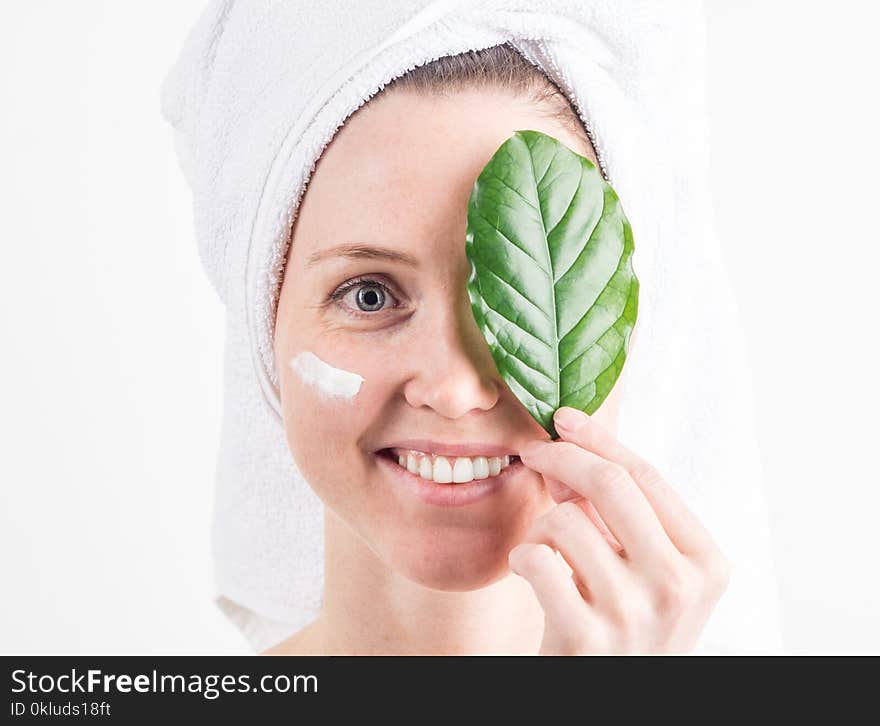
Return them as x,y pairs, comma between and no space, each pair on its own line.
370,296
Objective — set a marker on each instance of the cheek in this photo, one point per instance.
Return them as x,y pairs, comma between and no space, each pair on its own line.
329,400
340,395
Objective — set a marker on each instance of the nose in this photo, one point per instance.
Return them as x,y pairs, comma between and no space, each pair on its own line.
456,373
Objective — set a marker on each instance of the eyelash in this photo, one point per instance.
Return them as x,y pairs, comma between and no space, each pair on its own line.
340,292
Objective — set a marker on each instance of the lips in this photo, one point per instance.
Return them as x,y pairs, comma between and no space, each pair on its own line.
437,494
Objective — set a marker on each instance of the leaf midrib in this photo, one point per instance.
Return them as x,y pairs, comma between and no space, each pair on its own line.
549,266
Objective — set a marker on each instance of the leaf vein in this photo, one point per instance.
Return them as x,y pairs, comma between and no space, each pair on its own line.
522,249
587,241
518,193
598,376
513,322
512,287
513,355
591,346
567,210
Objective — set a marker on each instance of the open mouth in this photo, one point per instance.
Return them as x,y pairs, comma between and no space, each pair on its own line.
450,470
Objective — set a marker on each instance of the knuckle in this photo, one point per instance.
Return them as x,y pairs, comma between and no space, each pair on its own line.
647,474
568,449
569,457
673,593
628,610
562,517
671,598
567,514
611,480
631,616
617,614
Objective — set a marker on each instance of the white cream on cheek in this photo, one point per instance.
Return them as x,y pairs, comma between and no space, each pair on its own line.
330,381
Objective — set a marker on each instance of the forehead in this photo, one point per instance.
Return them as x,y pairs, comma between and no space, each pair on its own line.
402,168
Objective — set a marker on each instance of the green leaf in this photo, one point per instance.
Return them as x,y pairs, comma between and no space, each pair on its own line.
551,282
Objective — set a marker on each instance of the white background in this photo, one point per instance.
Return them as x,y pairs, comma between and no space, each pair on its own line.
112,337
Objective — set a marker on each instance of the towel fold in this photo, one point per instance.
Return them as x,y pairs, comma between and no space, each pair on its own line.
258,92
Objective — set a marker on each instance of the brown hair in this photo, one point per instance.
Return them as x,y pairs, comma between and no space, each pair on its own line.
501,66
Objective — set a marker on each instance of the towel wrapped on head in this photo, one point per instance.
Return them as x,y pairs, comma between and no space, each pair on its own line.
260,89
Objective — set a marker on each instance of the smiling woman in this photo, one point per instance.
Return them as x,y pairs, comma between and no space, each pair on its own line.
427,528
380,487
434,495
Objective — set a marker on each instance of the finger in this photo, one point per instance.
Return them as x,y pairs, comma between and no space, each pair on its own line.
594,563
596,519
611,489
684,529
561,492
557,593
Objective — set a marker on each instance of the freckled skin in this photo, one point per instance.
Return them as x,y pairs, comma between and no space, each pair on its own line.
399,174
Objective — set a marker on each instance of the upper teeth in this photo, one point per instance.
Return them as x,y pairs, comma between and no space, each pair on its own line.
444,470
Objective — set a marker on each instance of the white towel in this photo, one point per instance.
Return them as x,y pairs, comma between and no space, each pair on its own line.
257,93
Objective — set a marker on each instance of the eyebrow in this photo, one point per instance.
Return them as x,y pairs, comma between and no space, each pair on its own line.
365,252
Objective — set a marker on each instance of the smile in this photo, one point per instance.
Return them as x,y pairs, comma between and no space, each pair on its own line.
450,469
445,491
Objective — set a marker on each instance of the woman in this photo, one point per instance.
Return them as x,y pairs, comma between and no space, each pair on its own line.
372,292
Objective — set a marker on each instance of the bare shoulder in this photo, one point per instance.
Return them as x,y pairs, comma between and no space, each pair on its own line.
302,642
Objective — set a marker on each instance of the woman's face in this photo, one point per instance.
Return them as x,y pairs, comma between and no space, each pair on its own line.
398,176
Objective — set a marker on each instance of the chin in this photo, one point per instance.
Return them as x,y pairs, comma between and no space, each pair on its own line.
459,563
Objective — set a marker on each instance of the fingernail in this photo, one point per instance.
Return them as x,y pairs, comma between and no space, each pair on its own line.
516,555
568,418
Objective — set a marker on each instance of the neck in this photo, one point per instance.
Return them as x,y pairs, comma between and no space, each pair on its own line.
369,609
